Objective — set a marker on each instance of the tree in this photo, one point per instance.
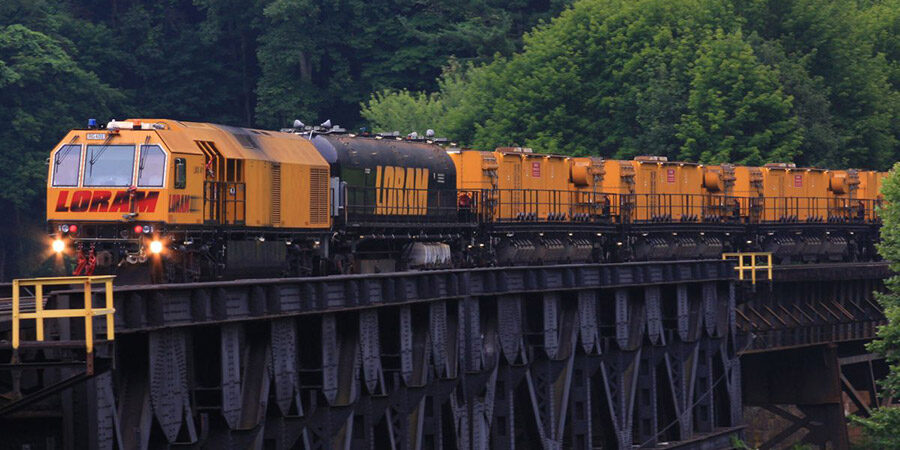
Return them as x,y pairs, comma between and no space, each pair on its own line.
606,77
837,40
319,60
42,91
737,112
180,65
232,26
881,428
296,59
702,80
453,110
405,110
809,95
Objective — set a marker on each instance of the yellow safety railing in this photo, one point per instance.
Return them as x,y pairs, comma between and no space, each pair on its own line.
752,262
88,312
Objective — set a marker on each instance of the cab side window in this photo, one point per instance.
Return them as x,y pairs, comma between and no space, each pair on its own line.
151,166
180,173
66,165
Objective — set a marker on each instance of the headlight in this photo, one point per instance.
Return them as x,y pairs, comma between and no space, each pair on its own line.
58,245
156,247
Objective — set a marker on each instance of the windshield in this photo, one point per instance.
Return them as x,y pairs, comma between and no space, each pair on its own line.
151,166
109,165
66,164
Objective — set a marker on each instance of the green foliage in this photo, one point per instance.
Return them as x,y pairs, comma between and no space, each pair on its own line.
405,110
841,50
449,111
881,428
294,48
736,110
319,60
703,80
888,343
739,444
41,90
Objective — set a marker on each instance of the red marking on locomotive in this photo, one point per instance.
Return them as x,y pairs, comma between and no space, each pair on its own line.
670,175
798,180
61,201
81,201
536,169
180,203
120,203
99,201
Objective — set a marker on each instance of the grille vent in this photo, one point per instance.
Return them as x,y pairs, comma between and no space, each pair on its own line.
318,196
276,194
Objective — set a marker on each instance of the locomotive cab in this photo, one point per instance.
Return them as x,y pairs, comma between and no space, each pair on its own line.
112,186
193,199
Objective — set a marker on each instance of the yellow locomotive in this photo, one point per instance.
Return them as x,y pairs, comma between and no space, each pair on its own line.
183,201
141,190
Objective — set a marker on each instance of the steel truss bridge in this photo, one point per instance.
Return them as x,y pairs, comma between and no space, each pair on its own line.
652,354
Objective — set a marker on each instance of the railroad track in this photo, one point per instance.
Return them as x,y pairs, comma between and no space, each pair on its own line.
794,272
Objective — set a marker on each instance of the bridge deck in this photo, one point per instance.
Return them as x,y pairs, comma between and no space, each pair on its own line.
570,356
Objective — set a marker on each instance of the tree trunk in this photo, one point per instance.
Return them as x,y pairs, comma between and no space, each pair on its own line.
305,69
245,82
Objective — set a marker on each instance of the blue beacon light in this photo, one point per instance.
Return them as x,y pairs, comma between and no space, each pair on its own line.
92,123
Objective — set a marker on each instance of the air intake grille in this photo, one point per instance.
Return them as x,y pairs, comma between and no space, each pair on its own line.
276,194
318,196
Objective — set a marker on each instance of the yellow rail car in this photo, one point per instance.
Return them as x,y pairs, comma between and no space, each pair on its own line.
869,192
517,184
139,188
794,194
589,202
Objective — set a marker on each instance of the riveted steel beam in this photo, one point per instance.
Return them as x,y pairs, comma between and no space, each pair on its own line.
553,356
169,386
653,306
647,426
620,372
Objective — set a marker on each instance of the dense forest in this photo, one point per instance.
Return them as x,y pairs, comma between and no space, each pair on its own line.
742,81
746,81
256,63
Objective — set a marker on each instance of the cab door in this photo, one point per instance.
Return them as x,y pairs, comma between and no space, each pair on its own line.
224,190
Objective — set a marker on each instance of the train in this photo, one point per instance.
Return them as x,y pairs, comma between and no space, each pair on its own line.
175,201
